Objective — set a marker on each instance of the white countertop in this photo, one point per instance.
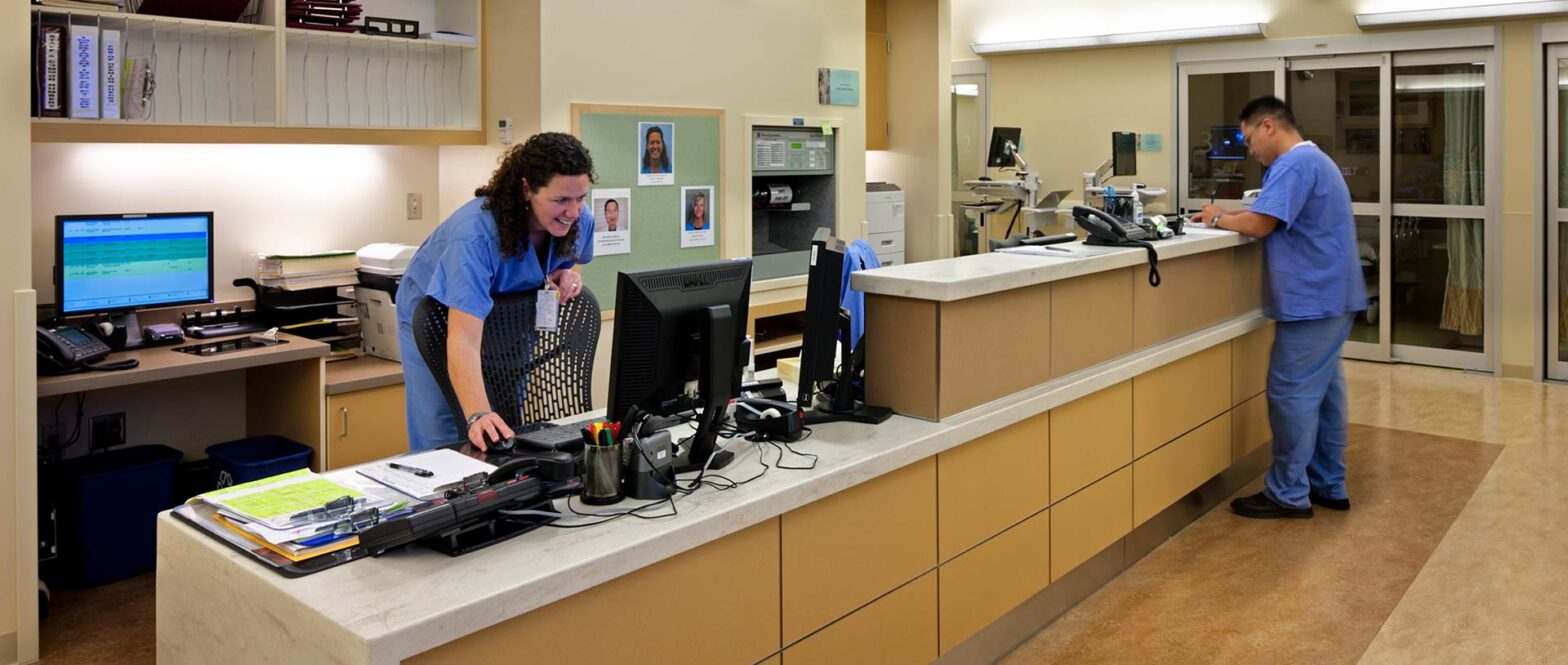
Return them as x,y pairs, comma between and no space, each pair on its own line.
969,276
385,609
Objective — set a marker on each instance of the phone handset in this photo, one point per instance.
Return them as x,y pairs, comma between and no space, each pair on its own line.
1110,230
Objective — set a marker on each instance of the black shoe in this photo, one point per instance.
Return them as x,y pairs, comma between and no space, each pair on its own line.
1260,506
1331,504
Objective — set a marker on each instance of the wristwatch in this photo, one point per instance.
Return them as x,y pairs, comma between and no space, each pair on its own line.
474,418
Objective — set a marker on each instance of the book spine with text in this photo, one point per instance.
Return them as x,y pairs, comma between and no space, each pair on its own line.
51,93
84,71
111,74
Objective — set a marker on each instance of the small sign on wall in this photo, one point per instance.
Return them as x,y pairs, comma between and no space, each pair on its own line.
1151,143
839,87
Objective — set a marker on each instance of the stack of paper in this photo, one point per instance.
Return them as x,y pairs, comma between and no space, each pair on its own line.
285,513
445,466
294,272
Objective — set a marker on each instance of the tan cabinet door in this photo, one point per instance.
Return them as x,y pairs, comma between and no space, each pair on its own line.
365,425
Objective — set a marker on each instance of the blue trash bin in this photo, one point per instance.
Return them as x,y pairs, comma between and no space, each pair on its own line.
254,458
107,508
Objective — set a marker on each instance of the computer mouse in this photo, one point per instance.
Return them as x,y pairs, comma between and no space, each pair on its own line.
503,444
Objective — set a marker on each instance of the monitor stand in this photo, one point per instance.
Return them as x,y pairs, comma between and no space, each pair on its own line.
715,383
133,328
842,406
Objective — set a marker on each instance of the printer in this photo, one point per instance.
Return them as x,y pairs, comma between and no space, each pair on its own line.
381,267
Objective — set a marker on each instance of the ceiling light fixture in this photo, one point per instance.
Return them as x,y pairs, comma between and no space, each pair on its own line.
1510,10
1238,31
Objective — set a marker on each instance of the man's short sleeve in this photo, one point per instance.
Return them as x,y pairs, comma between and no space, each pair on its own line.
463,276
1285,193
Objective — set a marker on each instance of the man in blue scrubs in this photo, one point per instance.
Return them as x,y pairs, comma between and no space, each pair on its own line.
1313,290
526,230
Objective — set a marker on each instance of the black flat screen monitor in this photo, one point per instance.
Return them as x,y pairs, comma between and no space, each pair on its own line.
1124,153
819,340
673,327
1225,143
123,262
1001,156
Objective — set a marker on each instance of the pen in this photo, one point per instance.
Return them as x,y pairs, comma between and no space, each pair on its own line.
422,473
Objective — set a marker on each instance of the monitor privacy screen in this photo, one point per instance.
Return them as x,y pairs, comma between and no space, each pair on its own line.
122,262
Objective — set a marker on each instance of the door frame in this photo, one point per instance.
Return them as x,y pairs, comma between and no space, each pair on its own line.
1553,214
1179,132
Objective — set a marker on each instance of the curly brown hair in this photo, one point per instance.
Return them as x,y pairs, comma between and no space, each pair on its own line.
537,160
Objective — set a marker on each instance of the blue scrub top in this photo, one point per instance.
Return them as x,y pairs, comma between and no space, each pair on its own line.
1310,264
461,266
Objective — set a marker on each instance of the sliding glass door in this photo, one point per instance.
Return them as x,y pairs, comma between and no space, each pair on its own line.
1339,104
1557,215
1440,257
1212,165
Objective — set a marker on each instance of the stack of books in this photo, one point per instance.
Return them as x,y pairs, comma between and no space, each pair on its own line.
298,515
297,272
329,15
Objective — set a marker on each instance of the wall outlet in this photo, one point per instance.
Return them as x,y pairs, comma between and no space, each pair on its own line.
416,205
108,431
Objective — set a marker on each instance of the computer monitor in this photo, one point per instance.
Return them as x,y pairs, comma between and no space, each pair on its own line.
673,327
1001,156
1225,143
828,328
118,263
1124,153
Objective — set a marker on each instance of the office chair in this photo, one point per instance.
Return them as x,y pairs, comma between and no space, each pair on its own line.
530,376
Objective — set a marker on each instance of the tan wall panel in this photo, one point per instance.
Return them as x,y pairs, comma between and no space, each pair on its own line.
731,585
1089,521
1249,427
1171,400
843,551
897,628
990,580
1249,364
992,483
1246,278
775,659
1195,293
977,344
366,425
1091,320
1180,467
901,355
1090,438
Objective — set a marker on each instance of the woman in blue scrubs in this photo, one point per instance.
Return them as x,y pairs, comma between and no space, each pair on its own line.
525,230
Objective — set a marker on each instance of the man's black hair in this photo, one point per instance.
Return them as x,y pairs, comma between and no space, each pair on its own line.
1267,106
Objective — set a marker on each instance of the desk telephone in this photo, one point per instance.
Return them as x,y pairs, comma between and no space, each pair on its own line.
1109,230
65,349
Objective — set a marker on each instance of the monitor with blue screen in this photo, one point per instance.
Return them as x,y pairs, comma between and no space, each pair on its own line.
118,263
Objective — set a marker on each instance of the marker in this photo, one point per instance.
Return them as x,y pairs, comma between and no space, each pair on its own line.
422,473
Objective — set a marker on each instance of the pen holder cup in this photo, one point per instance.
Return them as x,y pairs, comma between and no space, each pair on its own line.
602,475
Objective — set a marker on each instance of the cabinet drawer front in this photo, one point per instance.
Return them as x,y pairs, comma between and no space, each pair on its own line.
1089,521
1169,473
887,243
842,551
1171,400
992,579
1091,437
992,483
897,628
364,426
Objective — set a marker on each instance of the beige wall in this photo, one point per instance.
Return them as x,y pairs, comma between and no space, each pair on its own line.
283,198
1027,90
748,57
16,366
919,154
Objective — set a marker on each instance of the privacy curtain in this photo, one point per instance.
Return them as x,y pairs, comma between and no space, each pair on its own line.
1464,176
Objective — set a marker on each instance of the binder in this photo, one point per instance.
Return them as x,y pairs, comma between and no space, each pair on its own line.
111,74
83,55
51,79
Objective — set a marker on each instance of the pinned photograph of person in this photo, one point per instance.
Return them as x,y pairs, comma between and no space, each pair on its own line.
699,216
655,153
612,209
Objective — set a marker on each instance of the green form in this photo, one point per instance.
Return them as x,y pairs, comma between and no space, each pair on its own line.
290,498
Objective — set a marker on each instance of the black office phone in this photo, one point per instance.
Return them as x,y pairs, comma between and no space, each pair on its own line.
65,349
1109,230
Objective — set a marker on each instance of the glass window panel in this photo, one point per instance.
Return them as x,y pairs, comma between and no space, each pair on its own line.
1438,283
1215,168
1562,133
1338,109
1562,292
1369,247
1439,134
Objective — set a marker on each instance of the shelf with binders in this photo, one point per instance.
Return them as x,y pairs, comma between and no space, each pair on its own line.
153,69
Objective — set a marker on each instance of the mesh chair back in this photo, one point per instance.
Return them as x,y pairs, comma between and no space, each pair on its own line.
530,375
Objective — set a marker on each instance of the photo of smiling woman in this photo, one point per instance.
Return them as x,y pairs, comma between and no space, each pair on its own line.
697,216
524,230
656,153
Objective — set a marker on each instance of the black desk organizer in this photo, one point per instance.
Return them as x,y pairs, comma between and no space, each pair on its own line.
277,307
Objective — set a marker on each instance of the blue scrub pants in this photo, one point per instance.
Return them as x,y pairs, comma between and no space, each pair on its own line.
1307,410
430,424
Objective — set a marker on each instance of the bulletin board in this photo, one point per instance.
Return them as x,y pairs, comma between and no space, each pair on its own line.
612,137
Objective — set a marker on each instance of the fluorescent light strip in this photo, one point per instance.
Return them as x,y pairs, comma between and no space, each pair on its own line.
1123,39
1470,13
